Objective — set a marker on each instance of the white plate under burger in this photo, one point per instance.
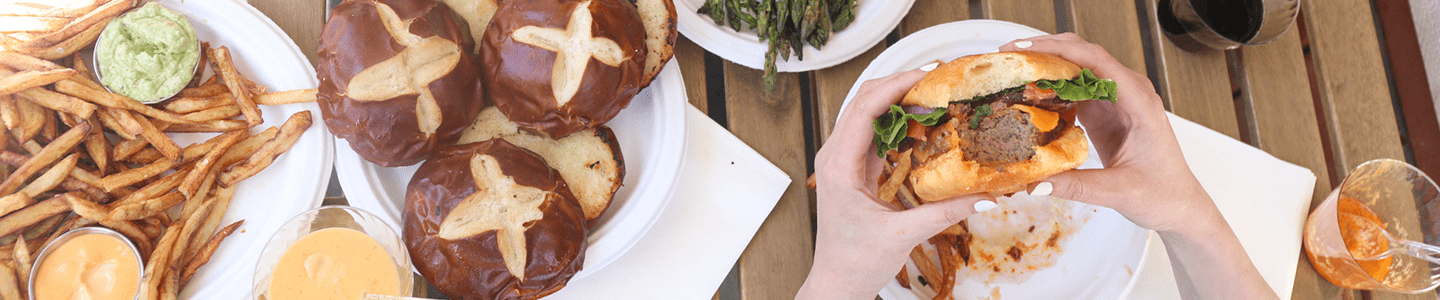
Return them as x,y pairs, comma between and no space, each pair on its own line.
1100,261
651,132
874,19
296,181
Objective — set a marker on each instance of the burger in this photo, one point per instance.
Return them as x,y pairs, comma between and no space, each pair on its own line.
490,220
988,123
396,79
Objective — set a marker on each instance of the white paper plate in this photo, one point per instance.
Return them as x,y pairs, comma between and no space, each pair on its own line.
1101,261
296,181
652,139
874,19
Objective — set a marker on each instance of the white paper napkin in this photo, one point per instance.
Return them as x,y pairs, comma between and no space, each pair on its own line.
725,191
1264,199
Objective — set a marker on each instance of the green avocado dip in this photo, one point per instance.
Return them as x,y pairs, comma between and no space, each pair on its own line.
147,54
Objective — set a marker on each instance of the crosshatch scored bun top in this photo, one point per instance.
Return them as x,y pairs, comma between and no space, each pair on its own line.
396,79
557,67
490,220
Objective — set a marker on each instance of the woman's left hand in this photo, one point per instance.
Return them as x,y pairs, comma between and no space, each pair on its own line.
861,242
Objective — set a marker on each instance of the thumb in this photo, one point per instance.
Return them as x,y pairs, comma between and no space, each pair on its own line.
931,218
1102,187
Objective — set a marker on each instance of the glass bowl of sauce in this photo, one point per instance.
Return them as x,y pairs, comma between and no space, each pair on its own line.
87,263
333,252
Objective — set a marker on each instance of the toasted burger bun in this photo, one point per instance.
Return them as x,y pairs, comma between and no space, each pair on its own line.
951,174
978,75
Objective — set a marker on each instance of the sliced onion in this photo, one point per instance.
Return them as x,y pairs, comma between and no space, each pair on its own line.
918,110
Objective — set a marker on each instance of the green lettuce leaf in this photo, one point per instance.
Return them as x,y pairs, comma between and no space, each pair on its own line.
890,127
1085,87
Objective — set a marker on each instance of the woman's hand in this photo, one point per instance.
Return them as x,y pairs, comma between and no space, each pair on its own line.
862,242
1146,178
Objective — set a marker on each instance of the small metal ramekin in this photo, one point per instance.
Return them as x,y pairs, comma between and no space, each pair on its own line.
95,58
40,260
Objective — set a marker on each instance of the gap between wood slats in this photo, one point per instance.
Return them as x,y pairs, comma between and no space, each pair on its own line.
715,89
1321,120
1244,113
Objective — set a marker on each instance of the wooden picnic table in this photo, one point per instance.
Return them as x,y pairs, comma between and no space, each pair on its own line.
1322,96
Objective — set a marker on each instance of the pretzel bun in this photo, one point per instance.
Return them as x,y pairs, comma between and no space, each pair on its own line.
552,94
364,95
978,75
521,236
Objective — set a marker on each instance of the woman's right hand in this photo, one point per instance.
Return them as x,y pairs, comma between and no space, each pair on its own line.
1145,177
1147,180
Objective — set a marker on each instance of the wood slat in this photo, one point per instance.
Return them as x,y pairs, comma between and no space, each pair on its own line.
301,20
1194,84
691,59
832,85
1350,75
1285,125
778,258
1034,13
926,13
1109,24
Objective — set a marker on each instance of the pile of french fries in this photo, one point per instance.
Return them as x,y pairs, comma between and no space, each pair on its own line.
53,29
74,155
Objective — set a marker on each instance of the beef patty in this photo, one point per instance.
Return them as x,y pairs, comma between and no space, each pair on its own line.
1002,137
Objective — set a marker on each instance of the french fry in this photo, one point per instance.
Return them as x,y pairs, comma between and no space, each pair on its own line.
10,113
187,232
214,113
82,69
222,203
124,149
221,125
225,67
286,97
202,256
58,102
13,202
86,208
32,214
22,259
9,286
128,177
289,133
158,265
33,72
135,210
207,164
187,105
71,86
32,122
52,177
159,140
98,147
79,179
154,189
203,91
125,123
50,153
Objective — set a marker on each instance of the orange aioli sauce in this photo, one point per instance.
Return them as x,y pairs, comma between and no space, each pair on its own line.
334,263
1362,240
89,266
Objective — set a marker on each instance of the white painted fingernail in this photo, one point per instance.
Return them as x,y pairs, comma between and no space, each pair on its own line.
1024,44
930,67
985,205
1043,189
